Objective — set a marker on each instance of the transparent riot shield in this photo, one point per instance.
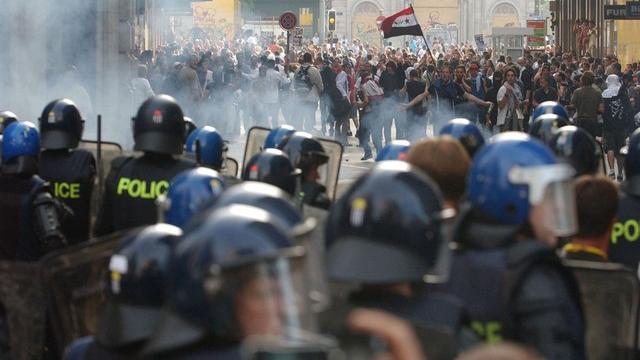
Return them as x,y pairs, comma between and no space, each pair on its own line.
22,311
329,173
74,280
610,294
108,152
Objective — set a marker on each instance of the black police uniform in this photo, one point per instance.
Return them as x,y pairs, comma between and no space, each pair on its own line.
134,183
131,189
439,320
28,222
515,290
625,235
71,175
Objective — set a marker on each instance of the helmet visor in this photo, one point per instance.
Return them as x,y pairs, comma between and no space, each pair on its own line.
552,187
270,296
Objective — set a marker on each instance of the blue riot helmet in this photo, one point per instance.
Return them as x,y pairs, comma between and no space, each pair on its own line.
189,144
467,133
20,148
189,192
236,276
136,285
277,136
550,107
387,228
546,126
210,149
7,118
264,196
395,150
272,166
576,147
512,174
632,159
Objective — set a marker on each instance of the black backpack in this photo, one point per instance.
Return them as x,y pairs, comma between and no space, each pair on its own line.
302,80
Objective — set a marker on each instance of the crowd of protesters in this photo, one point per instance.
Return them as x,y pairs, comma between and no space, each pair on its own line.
377,94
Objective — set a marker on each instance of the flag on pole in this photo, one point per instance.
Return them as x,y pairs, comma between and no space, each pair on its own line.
401,23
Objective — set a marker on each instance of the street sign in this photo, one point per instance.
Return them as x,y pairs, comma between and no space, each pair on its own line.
298,32
633,9
288,21
615,12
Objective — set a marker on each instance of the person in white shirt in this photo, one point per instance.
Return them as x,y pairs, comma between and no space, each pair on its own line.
274,80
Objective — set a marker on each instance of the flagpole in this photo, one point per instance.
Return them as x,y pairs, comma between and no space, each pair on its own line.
423,37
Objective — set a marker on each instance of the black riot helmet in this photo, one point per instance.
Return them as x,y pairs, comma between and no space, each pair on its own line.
387,228
189,127
272,166
578,148
304,151
159,126
136,285
547,125
7,118
61,125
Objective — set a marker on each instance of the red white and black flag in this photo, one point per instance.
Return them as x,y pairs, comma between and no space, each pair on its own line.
402,23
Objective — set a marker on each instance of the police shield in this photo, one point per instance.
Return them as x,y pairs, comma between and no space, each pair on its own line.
22,311
328,174
74,281
610,294
108,152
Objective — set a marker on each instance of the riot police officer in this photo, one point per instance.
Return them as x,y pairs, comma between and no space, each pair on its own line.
277,136
189,193
550,107
466,132
137,279
189,127
30,221
272,166
134,183
395,150
505,268
235,277
386,234
7,118
70,171
578,148
209,148
624,246
545,126
307,154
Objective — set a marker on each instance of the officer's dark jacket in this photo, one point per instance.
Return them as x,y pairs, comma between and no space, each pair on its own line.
71,175
131,188
515,290
17,196
625,236
441,312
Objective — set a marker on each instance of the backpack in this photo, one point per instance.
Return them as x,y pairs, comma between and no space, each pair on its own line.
302,80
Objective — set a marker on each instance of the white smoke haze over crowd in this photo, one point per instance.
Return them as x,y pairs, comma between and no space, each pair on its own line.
78,49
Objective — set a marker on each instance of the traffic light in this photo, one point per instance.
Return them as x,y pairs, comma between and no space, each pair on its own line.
332,20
